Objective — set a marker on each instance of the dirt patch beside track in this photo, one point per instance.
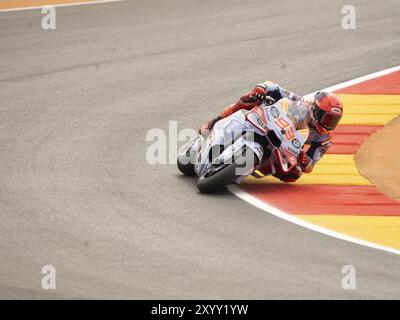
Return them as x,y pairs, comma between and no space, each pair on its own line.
377,159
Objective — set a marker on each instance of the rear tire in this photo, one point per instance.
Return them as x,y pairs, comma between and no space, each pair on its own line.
227,175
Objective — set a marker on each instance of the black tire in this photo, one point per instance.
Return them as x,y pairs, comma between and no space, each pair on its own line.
226,175
186,169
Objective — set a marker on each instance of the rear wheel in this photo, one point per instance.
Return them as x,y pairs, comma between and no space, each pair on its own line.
217,178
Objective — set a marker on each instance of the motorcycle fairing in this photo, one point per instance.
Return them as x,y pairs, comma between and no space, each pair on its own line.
274,118
234,133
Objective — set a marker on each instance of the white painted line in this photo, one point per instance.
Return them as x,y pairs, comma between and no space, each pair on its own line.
60,5
237,191
358,80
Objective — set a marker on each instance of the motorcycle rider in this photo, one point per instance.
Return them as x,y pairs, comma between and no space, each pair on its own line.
324,112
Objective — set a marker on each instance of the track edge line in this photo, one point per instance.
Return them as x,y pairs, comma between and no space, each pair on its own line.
240,193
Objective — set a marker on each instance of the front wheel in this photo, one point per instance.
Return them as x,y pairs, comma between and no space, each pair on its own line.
185,161
217,178
185,166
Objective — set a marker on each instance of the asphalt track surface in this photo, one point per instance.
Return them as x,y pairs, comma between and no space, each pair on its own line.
76,191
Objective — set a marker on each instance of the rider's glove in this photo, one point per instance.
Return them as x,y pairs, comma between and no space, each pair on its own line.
206,128
259,92
305,162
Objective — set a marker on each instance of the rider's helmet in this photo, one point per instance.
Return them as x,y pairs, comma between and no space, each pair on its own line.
327,110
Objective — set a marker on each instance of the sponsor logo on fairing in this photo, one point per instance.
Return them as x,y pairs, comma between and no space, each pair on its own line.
262,124
296,143
275,112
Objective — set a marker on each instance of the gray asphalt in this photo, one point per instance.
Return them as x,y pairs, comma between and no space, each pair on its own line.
77,193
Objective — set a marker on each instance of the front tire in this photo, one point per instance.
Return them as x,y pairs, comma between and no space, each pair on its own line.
185,160
223,175
187,168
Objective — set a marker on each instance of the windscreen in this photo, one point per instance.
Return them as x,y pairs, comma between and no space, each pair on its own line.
300,114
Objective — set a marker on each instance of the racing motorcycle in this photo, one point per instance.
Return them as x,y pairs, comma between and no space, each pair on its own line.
243,142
